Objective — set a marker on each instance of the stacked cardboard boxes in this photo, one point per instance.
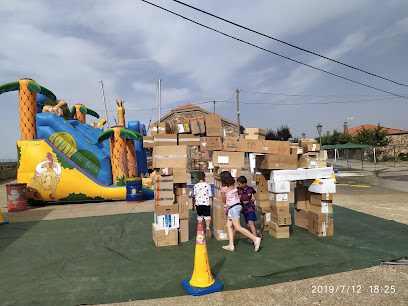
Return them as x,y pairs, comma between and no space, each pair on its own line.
171,211
262,199
223,161
254,133
280,215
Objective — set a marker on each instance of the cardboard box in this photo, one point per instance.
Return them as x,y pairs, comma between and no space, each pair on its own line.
228,159
278,187
163,128
164,171
296,149
311,147
188,140
167,221
213,125
166,210
279,210
320,206
210,143
265,219
312,160
164,237
217,187
230,144
183,128
154,130
254,133
323,185
321,224
163,190
165,140
278,231
301,218
264,146
281,219
183,231
180,175
148,142
235,172
276,161
262,176
197,125
170,157
262,187
181,190
263,205
301,174
219,220
323,196
183,206
302,198
279,199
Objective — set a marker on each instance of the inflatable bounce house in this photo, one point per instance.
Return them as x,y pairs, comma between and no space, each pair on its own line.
63,159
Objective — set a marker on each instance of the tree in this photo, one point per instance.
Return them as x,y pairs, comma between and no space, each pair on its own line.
336,138
374,137
282,133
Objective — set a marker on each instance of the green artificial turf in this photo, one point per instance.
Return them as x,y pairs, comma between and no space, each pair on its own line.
113,258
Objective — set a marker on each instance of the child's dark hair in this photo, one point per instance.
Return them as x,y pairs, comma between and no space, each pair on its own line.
200,175
226,178
242,180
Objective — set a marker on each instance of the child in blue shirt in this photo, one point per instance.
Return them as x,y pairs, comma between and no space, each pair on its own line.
247,195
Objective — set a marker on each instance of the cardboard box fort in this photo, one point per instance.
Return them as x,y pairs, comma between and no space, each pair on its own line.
197,125
278,231
170,157
165,140
188,140
230,144
301,218
228,159
321,224
183,204
263,146
183,231
254,133
164,236
163,190
148,142
276,161
213,125
210,143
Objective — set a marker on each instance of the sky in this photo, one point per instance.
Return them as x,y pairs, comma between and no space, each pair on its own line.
70,46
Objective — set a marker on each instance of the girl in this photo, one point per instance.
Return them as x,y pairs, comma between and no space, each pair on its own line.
233,205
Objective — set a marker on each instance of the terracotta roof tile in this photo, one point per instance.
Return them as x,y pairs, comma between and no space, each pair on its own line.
187,106
353,131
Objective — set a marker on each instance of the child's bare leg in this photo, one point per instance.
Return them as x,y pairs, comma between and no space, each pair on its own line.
208,223
239,228
252,227
230,232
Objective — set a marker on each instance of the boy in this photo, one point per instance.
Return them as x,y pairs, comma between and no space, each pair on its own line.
201,198
247,195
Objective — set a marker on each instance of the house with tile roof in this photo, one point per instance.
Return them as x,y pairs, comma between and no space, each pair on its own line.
188,111
390,131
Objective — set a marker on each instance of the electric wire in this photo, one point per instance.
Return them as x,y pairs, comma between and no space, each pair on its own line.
277,54
291,45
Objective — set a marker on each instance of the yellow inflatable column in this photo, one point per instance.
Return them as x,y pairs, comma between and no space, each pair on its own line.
118,158
202,281
2,220
28,110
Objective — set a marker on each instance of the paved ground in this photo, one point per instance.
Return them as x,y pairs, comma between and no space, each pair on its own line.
390,202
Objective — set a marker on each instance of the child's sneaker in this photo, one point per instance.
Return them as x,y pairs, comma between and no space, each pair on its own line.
208,233
228,248
257,244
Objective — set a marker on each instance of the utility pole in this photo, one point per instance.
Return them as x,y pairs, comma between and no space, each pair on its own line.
239,125
159,100
104,105
214,106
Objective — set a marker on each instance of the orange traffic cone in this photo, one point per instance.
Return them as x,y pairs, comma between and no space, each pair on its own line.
202,281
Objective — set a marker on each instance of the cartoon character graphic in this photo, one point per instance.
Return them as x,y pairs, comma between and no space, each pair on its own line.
57,109
47,176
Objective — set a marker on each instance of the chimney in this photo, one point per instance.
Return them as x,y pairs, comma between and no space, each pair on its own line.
328,133
345,128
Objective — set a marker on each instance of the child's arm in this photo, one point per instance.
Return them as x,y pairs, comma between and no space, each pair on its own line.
223,190
193,208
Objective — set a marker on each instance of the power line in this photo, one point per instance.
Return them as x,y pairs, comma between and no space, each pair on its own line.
291,45
288,58
310,96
